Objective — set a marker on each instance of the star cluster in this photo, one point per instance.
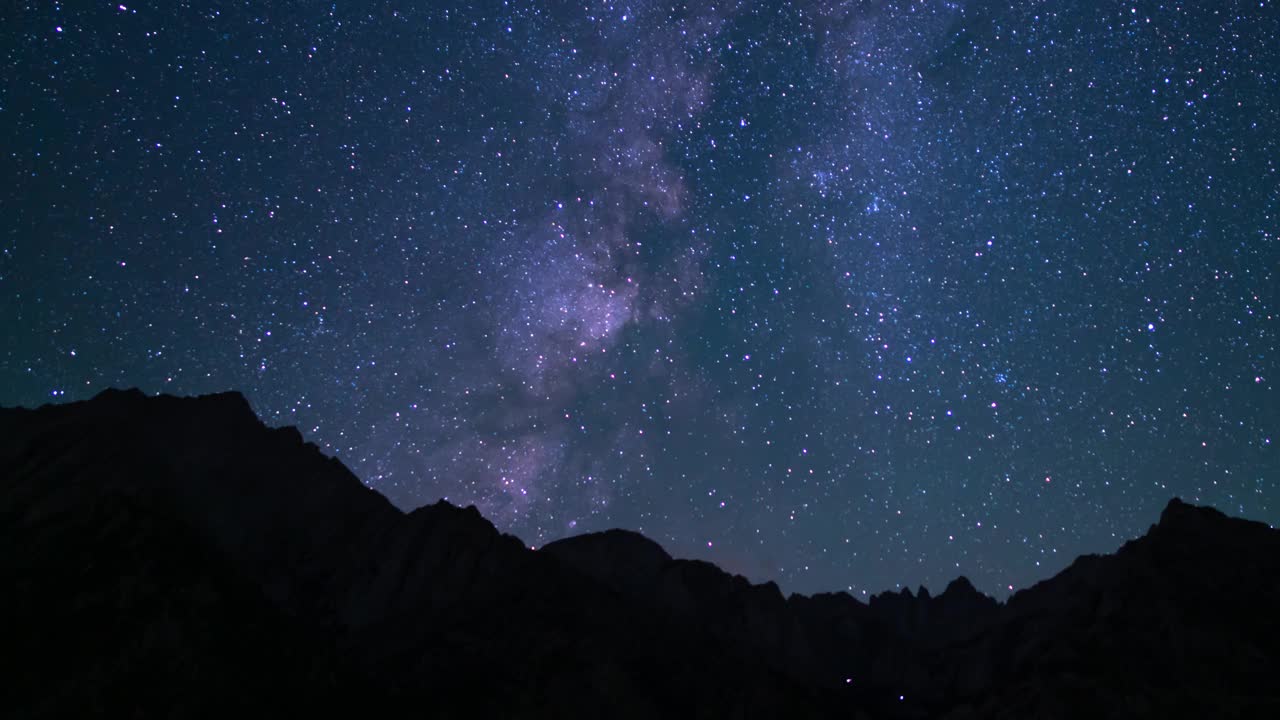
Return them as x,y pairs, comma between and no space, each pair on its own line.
849,295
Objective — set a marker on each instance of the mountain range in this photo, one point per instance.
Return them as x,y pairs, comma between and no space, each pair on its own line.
175,557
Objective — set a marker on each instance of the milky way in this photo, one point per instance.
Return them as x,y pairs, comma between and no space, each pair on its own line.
845,295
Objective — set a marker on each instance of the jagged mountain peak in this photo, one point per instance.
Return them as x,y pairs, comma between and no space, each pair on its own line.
164,548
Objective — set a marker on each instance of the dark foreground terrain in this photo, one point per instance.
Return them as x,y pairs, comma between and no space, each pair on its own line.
168,557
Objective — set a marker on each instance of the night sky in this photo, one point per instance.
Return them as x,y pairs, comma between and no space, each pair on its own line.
847,295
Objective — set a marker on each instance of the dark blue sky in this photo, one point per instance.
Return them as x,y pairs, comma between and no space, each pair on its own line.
846,295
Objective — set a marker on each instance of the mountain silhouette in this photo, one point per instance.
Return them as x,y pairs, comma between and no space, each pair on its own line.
174,557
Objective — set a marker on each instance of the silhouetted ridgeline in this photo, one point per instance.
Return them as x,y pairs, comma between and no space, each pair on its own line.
175,557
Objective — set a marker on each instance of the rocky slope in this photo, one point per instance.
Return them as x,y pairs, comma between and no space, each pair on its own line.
171,556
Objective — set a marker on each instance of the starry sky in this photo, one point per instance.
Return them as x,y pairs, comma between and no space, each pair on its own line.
846,295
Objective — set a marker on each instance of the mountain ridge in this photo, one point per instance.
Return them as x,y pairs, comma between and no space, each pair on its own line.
398,608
